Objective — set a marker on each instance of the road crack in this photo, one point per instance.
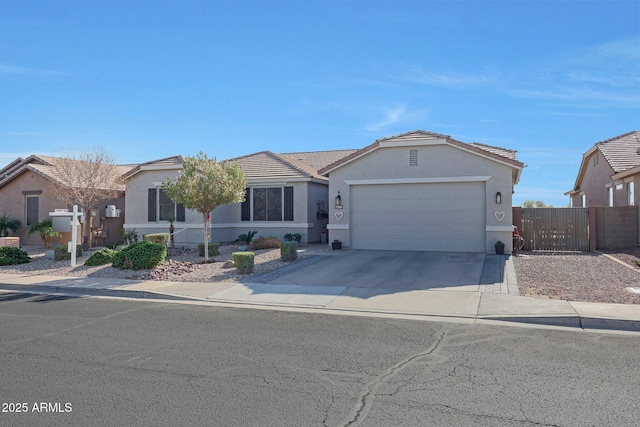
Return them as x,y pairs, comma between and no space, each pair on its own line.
365,399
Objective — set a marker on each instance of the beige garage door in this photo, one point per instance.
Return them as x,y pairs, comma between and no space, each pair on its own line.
446,217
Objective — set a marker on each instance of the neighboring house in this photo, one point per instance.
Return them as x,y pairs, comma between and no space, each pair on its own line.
285,194
25,194
608,173
423,191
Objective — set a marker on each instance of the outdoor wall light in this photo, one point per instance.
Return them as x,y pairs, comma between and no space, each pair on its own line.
338,200
498,198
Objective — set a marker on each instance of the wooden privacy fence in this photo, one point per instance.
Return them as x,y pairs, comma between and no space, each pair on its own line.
578,229
556,229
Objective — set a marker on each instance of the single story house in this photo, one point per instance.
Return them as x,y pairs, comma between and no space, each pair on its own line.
285,194
608,173
423,191
25,194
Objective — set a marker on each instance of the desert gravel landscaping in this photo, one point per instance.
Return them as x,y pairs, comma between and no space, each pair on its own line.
588,277
182,266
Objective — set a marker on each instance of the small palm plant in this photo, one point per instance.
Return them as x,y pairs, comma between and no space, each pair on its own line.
7,223
45,230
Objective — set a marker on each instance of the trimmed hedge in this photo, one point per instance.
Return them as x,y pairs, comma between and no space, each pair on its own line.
61,252
214,249
289,251
10,255
101,257
139,255
265,243
159,238
243,261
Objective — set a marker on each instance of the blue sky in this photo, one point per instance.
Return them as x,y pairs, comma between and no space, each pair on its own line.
151,79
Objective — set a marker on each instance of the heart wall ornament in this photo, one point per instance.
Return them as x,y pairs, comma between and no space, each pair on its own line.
499,215
339,215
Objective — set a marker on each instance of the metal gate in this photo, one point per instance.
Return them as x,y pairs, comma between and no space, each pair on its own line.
555,229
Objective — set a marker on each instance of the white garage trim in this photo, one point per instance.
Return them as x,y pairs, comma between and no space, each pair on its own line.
443,179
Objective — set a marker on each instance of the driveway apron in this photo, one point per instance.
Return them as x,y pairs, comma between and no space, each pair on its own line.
396,270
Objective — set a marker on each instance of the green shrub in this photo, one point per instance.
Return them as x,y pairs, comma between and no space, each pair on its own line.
293,237
265,243
101,257
637,262
214,249
10,255
289,251
113,245
246,237
139,255
61,252
159,238
243,261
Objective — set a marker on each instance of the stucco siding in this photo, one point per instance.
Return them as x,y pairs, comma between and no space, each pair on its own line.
227,225
594,181
437,162
136,213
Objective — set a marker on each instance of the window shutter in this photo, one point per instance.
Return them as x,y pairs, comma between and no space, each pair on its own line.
180,212
245,207
151,209
288,203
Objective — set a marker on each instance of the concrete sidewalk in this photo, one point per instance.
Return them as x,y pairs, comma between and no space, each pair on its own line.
427,304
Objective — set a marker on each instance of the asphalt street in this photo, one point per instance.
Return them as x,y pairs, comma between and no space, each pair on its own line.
89,361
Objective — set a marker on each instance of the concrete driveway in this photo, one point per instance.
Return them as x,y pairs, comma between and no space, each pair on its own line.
390,270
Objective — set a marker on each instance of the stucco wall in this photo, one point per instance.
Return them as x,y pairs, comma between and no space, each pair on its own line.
187,233
13,202
434,161
227,225
594,182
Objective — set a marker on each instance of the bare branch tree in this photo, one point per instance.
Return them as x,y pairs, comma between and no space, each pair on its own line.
85,178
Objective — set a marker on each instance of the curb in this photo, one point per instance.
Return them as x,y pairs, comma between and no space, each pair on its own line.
80,291
570,321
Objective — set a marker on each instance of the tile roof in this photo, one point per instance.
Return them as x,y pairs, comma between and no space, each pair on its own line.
51,167
269,165
621,152
504,152
319,159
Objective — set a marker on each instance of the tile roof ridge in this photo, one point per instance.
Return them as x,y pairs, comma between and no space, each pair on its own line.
604,141
417,131
493,146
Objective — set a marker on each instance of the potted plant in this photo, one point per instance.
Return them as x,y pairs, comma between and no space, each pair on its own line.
499,248
336,245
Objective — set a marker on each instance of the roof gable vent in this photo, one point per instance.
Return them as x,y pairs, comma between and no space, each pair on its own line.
413,157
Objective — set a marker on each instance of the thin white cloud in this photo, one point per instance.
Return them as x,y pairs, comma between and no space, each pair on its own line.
417,74
24,71
391,117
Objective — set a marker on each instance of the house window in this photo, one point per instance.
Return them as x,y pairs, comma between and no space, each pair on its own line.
413,157
33,210
610,197
584,200
161,207
596,159
268,204
631,194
